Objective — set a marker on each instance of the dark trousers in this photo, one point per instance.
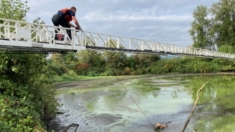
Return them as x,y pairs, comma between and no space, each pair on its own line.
59,19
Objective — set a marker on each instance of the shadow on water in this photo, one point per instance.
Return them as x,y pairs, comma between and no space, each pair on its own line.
162,99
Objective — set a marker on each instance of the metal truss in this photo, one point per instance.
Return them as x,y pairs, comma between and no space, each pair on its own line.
20,35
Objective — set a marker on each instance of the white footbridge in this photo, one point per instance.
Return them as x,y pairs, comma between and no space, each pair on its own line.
23,36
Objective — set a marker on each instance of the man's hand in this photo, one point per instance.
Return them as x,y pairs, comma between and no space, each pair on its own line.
78,28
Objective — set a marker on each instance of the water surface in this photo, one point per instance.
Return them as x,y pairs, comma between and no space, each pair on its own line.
138,104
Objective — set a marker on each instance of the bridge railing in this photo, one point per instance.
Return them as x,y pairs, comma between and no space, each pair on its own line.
102,41
31,33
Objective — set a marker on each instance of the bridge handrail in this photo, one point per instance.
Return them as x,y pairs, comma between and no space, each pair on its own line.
163,48
15,30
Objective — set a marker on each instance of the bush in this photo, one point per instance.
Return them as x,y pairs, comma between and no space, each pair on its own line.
27,98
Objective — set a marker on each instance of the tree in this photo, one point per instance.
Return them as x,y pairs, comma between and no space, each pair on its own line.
215,26
224,22
114,62
90,63
26,96
200,28
13,9
142,62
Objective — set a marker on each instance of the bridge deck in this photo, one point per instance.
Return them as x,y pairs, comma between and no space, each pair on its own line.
38,46
19,35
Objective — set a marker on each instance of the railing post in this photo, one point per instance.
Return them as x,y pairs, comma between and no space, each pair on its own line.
73,37
118,45
129,46
108,42
85,39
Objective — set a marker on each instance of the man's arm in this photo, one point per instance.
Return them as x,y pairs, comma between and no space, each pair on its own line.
76,22
71,25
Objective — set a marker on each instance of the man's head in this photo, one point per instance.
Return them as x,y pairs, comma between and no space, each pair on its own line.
73,9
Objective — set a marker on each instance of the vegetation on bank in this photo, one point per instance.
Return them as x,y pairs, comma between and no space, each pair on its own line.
27,101
27,98
71,66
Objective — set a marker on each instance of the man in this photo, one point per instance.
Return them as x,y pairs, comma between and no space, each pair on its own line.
64,17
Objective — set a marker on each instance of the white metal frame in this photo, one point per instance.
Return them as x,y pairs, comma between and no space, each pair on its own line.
22,35
99,41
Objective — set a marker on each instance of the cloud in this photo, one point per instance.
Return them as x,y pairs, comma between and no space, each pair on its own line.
98,16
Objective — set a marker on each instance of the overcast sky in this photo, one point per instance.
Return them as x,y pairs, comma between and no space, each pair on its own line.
166,21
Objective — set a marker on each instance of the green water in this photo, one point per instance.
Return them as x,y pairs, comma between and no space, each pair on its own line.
217,100
137,104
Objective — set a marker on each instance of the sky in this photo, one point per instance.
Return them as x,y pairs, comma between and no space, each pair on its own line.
165,21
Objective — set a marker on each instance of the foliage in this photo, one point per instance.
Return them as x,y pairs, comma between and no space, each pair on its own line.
227,49
93,63
214,27
92,59
223,22
114,63
200,31
184,65
141,62
13,9
27,99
